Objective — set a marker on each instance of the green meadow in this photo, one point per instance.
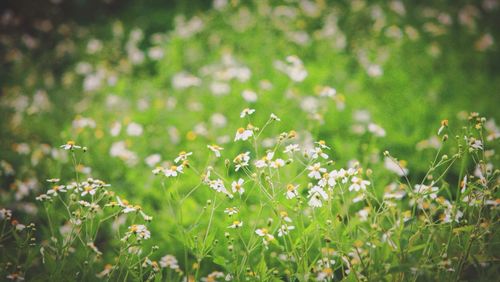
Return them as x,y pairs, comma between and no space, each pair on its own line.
226,140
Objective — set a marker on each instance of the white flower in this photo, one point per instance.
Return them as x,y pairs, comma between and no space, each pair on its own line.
283,230
218,120
55,189
129,208
376,129
169,261
448,217
70,145
285,217
119,149
173,171
134,129
265,160
241,160
291,148
317,152
328,92
363,214
238,186
246,112
115,129
315,171
83,122
274,117
139,230
316,194
243,134
126,206
18,226
263,232
291,191
236,224
218,185
324,180
216,149
395,167
360,198
475,144
182,156
294,69
5,214
358,183
249,96
158,170
231,211
153,159
277,163
261,163
332,178
427,190
322,144
184,80
88,189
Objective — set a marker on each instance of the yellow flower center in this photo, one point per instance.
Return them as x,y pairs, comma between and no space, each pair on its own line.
328,271
241,130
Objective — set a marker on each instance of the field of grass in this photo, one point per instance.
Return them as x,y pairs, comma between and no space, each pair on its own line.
299,140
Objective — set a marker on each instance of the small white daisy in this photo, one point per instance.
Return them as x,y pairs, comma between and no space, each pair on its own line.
237,186
216,149
236,224
243,134
246,112
173,171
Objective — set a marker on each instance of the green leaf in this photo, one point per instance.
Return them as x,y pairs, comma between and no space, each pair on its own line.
416,248
220,260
